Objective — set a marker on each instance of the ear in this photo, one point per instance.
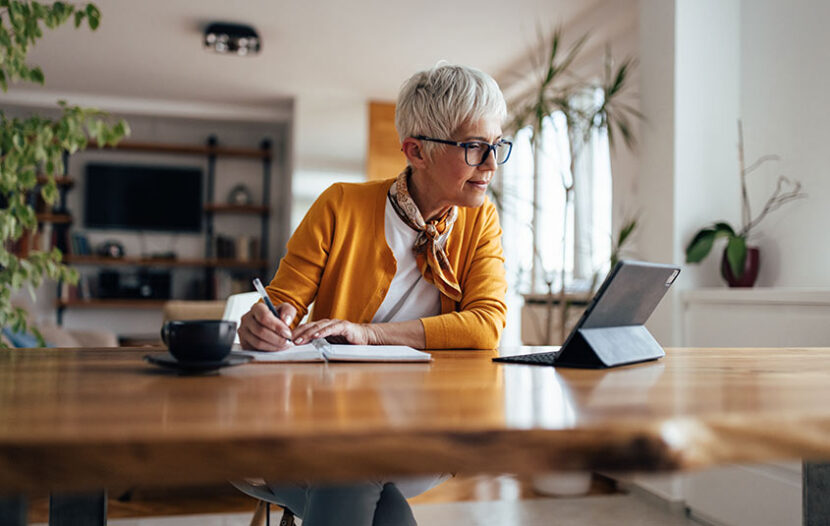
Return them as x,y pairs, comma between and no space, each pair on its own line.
414,151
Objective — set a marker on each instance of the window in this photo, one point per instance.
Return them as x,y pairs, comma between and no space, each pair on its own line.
585,222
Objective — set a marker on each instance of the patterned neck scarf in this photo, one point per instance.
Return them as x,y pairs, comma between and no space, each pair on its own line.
432,237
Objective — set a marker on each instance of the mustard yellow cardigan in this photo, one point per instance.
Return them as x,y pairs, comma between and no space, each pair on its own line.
338,257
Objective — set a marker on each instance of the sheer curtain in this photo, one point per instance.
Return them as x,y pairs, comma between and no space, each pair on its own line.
587,229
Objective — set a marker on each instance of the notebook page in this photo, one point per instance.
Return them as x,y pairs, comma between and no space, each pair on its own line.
297,353
374,353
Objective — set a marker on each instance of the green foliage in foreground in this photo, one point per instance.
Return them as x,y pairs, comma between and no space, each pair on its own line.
34,146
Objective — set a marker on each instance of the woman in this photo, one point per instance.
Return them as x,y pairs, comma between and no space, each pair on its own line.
415,260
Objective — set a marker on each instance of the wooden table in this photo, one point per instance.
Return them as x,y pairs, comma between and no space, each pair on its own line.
88,419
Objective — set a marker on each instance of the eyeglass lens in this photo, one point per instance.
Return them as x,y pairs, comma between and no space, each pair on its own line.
476,152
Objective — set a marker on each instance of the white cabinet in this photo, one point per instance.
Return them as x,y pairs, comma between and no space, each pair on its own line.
763,317
765,494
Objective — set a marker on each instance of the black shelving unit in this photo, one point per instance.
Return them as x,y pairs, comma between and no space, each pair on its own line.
212,150
264,211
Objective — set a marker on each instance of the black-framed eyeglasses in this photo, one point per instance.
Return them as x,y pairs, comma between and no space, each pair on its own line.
476,152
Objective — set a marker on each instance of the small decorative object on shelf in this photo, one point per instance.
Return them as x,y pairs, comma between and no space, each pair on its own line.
111,249
740,262
240,195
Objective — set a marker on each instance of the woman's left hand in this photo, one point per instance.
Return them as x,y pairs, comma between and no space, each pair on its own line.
336,331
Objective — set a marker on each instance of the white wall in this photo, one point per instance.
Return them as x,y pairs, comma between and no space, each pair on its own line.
762,60
689,84
331,132
690,97
656,181
707,186
785,51
707,83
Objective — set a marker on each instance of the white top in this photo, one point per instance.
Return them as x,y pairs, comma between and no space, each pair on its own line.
410,297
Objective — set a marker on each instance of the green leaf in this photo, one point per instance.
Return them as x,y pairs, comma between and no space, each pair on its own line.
37,75
5,38
94,16
39,10
79,17
17,281
626,231
49,193
724,228
736,255
700,245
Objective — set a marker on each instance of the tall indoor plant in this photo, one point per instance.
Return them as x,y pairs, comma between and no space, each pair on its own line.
741,262
559,89
31,151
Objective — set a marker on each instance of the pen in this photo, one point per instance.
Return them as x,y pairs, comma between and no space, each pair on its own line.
259,288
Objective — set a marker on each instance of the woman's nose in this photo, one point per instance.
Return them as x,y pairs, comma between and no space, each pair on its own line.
489,163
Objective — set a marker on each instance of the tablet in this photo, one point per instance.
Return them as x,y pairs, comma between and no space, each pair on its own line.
612,329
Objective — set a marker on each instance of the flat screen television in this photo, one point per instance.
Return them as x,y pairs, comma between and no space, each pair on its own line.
142,197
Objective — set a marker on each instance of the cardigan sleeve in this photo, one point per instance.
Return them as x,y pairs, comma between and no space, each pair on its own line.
482,310
298,276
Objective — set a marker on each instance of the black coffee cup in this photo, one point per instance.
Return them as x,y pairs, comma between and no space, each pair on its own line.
199,340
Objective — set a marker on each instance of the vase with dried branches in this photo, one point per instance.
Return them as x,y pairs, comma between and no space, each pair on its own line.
560,90
740,262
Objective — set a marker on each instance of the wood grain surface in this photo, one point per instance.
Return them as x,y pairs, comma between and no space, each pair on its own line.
97,418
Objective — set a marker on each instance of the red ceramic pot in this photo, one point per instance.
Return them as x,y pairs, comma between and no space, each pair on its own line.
751,267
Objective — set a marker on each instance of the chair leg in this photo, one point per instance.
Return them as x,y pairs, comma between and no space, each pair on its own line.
262,515
287,518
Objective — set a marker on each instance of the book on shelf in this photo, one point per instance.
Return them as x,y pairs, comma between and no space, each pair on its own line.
80,291
69,292
241,248
30,240
44,237
83,285
226,284
80,244
225,247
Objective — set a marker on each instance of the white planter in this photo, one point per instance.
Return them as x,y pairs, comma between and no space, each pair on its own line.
563,484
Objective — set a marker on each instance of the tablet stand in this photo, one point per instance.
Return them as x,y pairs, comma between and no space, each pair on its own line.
603,347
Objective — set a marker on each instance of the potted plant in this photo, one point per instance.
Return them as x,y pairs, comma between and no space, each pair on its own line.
741,262
31,153
559,89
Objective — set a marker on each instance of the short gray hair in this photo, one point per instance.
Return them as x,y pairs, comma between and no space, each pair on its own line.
437,102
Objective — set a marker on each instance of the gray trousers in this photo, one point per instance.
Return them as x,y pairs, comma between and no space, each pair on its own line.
363,504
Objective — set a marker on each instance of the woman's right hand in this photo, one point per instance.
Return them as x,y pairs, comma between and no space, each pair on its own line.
262,331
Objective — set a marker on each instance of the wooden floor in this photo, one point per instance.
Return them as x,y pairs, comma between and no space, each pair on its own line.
145,502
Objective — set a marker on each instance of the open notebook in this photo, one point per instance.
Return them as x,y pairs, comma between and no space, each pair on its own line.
320,350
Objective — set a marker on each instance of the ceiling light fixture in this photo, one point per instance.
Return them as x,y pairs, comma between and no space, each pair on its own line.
239,39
